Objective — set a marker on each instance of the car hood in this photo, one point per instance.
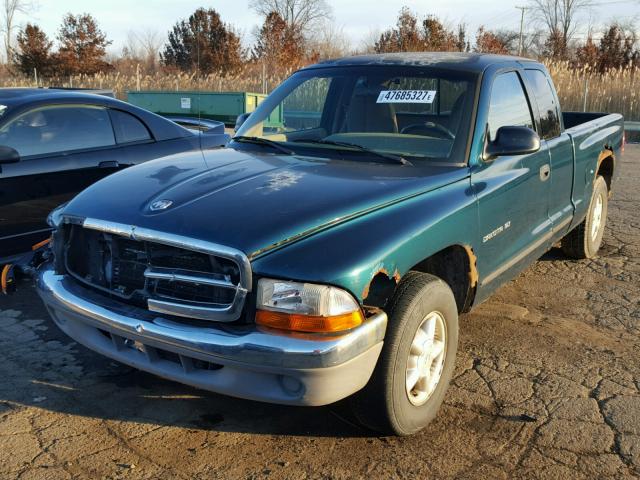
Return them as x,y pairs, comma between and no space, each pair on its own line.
254,202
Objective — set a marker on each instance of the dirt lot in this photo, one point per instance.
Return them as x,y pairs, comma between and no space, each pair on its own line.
547,386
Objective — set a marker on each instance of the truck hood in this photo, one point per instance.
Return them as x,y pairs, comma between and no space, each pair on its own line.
254,202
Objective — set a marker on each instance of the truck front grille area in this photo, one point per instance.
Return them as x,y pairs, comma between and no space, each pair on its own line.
186,363
153,275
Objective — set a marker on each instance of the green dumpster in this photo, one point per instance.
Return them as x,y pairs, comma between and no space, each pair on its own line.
221,106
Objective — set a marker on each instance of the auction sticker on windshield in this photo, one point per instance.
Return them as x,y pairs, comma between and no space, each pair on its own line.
406,96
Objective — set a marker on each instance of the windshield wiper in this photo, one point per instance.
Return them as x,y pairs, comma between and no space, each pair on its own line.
389,157
264,141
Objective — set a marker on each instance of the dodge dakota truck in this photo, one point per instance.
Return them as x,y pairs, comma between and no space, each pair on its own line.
328,252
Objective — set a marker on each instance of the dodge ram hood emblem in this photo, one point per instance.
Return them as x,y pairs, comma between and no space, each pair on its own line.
160,205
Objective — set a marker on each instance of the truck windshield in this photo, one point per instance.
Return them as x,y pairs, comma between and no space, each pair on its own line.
415,113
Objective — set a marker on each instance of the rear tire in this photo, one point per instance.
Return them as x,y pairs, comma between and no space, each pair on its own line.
585,240
416,364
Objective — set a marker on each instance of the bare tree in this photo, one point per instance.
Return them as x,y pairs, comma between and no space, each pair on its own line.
305,16
131,48
560,18
330,41
368,43
533,44
142,48
9,10
150,42
511,39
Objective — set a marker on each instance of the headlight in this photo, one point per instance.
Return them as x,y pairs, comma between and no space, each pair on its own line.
305,307
55,217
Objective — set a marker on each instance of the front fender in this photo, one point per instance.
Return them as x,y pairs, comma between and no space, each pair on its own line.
391,240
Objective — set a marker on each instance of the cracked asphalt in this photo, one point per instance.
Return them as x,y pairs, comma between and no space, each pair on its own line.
547,386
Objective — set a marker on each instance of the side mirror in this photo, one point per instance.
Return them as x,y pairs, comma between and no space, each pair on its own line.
512,141
8,155
240,120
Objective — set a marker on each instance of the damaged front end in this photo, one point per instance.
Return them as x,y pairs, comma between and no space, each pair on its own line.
24,266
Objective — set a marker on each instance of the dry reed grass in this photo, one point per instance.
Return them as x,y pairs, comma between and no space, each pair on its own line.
614,91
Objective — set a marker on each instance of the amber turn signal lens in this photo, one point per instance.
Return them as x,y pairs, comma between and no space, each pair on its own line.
308,323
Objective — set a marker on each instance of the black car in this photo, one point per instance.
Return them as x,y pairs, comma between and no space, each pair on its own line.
54,143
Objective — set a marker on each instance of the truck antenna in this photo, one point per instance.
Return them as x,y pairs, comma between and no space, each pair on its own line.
198,86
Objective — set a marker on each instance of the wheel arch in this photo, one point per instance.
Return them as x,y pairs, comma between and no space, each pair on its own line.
455,265
606,166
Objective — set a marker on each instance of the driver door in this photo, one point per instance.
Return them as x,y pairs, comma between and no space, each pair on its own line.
512,192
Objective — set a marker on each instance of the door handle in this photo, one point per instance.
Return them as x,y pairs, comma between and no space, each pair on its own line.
545,172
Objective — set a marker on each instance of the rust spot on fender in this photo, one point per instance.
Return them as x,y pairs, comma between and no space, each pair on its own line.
381,270
606,153
396,275
365,292
473,268
603,155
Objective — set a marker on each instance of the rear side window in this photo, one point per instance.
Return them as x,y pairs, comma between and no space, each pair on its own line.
58,128
549,119
509,106
128,128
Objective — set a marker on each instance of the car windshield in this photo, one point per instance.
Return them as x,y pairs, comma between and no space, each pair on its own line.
415,113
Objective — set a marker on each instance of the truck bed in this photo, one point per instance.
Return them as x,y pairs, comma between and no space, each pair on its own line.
590,134
573,119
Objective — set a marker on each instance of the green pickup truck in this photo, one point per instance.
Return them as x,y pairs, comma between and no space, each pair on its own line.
329,255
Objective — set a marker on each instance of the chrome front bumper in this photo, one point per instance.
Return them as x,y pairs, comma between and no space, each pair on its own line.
242,361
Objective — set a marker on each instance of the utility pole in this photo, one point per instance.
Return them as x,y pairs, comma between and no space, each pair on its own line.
521,43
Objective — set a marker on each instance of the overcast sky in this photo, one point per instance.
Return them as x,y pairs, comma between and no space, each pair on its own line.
358,18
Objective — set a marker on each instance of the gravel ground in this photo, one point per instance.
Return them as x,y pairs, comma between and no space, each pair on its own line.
547,386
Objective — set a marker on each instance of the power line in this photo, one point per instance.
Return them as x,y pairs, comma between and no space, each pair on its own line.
613,2
507,24
499,16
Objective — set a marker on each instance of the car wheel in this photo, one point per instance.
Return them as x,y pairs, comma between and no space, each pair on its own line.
585,240
417,359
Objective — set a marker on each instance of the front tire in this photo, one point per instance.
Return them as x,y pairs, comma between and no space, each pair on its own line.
416,364
585,240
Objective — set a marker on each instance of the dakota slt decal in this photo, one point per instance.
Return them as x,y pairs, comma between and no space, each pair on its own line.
496,232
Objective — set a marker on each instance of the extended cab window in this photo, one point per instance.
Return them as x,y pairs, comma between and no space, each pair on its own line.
128,128
509,106
59,128
547,104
